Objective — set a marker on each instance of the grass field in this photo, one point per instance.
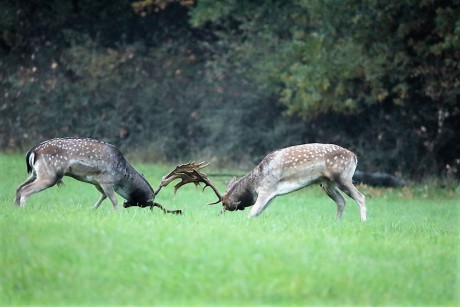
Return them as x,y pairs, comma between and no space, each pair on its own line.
58,250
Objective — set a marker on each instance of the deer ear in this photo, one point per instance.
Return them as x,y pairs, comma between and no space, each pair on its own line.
232,182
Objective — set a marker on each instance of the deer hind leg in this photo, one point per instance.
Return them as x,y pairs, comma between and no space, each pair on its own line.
31,178
333,192
34,184
107,191
348,187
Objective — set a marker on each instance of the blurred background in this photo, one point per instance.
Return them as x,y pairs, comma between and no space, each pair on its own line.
231,80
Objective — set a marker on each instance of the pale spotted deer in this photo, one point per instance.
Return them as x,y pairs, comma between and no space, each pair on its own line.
87,160
281,172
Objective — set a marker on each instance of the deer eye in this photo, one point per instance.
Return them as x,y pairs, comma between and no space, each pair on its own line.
236,204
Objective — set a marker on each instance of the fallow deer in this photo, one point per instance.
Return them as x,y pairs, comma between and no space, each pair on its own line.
281,172
87,160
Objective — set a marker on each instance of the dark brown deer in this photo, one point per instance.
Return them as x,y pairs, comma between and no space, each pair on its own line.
87,160
281,172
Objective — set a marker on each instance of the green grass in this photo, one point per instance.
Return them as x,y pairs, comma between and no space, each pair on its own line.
58,250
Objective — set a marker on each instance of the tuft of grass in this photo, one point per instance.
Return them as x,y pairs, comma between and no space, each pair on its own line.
58,250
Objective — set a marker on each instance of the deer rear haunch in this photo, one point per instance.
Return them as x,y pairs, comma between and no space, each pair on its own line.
87,160
282,172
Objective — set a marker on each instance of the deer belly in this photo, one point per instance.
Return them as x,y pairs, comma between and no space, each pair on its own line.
83,172
295,182
288,187
84,177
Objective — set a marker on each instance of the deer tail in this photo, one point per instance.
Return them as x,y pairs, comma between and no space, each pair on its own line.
30,160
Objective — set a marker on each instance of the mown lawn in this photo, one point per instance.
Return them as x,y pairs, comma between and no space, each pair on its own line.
58,250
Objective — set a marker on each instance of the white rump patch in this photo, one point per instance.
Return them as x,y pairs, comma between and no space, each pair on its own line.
32,159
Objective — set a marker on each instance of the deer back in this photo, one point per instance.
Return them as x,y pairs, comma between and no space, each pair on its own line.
295,167
76,157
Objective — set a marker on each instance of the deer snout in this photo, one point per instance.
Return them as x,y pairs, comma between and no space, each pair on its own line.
126,204
232,206
143,204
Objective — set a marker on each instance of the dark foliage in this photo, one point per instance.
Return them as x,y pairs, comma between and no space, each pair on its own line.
231,81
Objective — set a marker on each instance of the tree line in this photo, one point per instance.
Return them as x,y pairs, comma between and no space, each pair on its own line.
231,81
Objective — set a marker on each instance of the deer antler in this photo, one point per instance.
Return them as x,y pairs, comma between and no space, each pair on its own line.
189,173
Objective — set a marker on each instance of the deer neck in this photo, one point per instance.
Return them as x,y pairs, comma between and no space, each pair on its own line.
244,190
135,188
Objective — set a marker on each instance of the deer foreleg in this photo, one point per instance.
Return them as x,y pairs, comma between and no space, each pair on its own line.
109,192
99,201
262,202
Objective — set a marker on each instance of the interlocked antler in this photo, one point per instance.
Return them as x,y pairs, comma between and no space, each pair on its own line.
189,173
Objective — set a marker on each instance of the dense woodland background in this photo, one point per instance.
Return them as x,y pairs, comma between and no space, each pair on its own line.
231,80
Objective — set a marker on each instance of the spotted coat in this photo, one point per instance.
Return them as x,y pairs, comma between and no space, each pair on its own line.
292,168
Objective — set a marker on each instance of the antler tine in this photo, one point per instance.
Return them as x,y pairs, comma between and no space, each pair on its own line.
207,183
189,173
175,174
